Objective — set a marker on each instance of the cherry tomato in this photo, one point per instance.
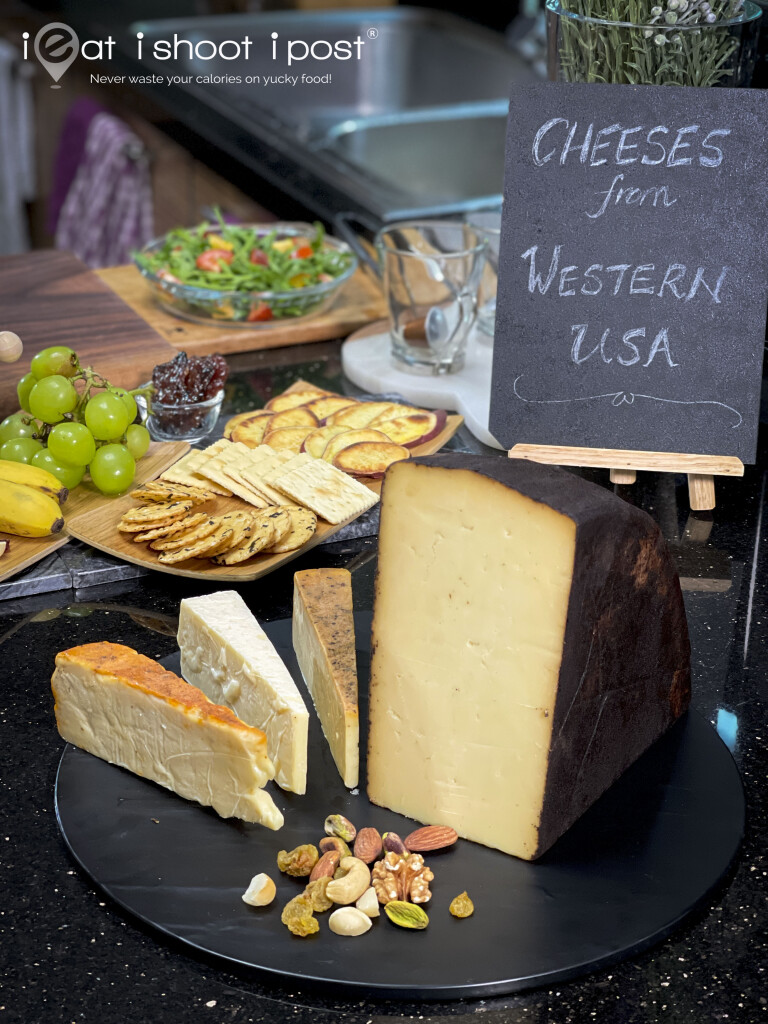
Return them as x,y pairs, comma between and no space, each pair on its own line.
259,257
258,313
302,253
212,259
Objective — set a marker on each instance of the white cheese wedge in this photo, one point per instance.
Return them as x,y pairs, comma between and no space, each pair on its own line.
127,709
324,642
226,653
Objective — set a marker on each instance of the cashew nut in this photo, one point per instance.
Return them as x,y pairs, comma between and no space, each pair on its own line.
349,921
352,885
260,892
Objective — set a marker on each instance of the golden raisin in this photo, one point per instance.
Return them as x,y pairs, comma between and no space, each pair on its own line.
315,892
298,862
462,906
298,917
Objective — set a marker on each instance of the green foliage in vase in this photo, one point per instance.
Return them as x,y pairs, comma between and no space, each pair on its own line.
682,42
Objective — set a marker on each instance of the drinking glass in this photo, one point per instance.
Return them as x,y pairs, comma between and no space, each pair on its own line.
431,272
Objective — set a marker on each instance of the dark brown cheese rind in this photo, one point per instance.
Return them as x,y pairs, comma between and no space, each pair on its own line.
625,671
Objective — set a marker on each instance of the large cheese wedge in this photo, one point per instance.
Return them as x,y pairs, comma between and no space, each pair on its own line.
228,655
529,643
324,642
127,709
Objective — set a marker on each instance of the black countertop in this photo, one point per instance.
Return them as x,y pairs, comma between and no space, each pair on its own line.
71,955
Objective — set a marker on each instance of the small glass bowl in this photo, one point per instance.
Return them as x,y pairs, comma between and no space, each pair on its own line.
203,305
190,421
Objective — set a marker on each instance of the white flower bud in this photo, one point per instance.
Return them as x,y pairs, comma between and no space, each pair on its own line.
660,39
711,18
647,32
656,11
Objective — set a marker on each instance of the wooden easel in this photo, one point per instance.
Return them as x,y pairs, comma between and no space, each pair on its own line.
701,470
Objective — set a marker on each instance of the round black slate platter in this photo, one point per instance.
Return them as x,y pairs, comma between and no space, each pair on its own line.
645,855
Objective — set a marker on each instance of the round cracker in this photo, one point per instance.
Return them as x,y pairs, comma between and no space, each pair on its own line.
211,544
262,534
170,528
302,528
179,540
241,524
145,517
159,491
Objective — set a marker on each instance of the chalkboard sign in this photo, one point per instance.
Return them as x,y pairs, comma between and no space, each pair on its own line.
633,273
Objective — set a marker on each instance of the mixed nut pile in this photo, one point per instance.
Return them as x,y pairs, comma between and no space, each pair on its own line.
357,881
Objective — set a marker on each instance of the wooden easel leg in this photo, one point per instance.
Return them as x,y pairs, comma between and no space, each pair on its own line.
701,492
623,476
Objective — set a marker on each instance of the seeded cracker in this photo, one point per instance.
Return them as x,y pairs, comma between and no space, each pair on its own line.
330,494
303,524
146,517
170,529
262,535
188,536
210,545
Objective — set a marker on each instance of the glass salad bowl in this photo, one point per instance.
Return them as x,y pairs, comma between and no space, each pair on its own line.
268,272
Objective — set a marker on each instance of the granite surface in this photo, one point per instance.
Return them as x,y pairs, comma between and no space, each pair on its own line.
70,955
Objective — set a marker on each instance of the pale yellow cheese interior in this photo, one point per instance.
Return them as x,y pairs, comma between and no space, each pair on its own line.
471,603
200,757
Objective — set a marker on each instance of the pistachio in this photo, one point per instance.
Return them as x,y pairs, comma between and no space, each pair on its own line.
334,843
406,915
392,843
338,825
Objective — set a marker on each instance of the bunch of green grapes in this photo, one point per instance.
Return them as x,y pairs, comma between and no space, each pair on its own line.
69,430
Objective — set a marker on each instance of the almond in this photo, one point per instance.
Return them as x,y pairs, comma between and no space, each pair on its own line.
368,845
326,866
431,837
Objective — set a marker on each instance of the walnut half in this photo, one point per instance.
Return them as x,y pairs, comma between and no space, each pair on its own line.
402,878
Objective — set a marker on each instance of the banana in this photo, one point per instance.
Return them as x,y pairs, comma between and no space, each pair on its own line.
27,512
33,476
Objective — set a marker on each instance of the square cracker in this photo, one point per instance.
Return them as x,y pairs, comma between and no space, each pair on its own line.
187,471
327,491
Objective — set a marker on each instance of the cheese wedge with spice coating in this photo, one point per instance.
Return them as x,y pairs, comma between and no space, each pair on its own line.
228,655
127,709
324,642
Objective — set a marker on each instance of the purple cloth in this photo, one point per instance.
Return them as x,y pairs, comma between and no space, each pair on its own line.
107,213
69,154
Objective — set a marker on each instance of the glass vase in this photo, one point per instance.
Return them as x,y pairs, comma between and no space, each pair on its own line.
583,45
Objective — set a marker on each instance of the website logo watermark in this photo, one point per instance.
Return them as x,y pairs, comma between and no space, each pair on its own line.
56,47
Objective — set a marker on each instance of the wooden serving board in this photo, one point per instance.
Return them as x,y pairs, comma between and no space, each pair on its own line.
101,531
359,303
51,298
84,501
